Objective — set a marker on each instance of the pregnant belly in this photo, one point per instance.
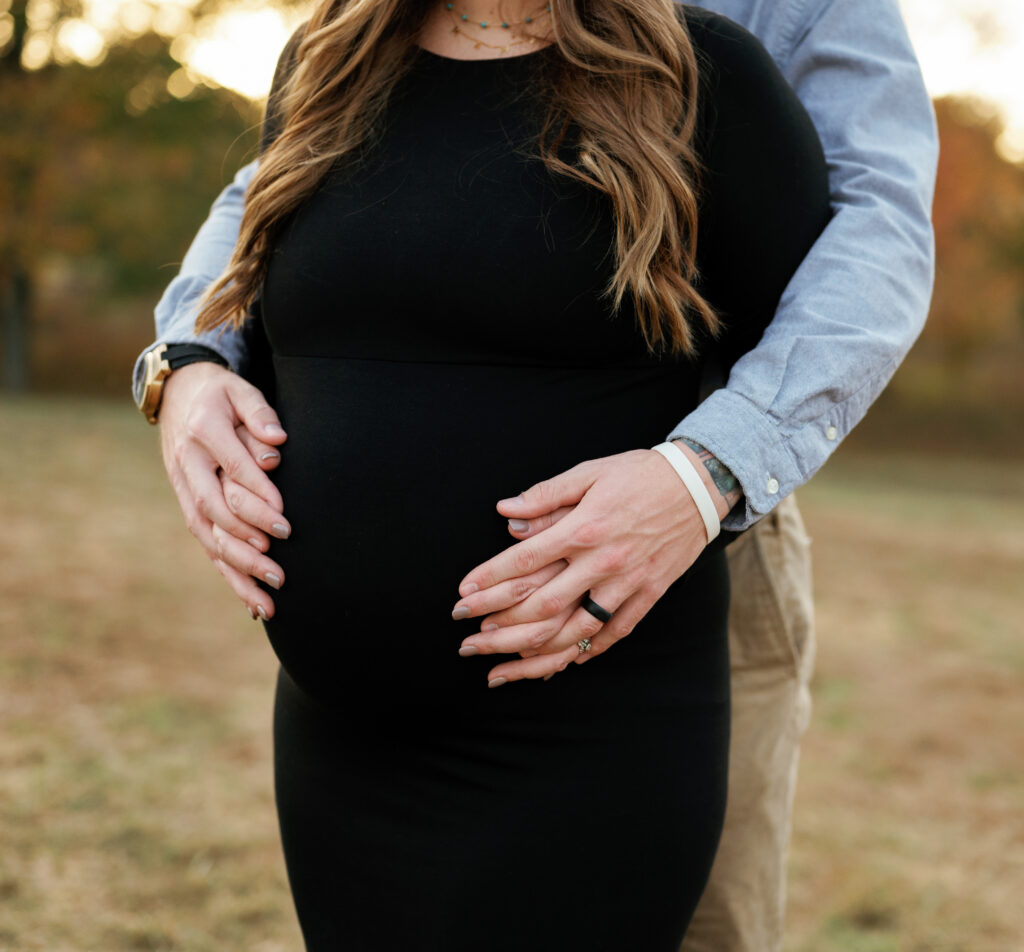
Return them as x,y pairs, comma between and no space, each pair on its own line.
390,477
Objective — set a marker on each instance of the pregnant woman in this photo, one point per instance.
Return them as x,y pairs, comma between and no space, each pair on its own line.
482,252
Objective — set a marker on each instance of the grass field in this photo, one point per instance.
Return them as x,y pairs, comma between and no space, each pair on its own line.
136,809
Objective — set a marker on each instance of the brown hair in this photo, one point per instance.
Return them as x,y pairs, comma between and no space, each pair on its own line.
626,89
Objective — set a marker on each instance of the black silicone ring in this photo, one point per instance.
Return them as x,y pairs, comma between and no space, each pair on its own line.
601,614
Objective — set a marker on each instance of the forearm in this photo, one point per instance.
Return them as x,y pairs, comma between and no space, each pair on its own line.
857,303
204,261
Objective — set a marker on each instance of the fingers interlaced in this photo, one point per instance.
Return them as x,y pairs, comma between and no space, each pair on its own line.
524,528
207,493
264,455
628,615
246,558
505,594
259,603
253,511
217,436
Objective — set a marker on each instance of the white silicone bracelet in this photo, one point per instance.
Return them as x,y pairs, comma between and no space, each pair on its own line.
678,460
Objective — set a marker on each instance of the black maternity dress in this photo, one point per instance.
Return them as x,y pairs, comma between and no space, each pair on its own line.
439,341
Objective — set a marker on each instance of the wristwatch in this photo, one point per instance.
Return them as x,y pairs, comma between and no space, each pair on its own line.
158,364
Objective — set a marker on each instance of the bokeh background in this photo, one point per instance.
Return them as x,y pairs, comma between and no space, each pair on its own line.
136,809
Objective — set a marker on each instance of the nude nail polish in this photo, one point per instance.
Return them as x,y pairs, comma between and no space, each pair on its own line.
497,682
281,531
273,580
261,611
461,612
467,651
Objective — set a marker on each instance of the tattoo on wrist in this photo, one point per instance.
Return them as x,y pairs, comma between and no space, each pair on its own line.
728,485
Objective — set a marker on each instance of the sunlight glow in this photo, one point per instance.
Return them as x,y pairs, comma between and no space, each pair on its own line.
240,49
79,40
974,48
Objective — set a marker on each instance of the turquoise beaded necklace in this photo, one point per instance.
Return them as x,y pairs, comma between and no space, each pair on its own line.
505,25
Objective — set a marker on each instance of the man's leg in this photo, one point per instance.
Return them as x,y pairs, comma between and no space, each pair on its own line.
771,639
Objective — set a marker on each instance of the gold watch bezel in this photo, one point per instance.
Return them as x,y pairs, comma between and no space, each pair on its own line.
156,370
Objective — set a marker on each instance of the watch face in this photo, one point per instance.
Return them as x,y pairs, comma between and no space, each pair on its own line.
139,384
147,388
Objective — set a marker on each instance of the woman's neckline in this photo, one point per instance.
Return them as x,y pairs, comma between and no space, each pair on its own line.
532,54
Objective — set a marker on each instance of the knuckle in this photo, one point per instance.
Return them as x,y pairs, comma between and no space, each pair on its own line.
612,559
550,605
537,639
620,631
650,592
197,425
203,505
232,467
524,561
540,492
587,535
521,588
590,626
234,499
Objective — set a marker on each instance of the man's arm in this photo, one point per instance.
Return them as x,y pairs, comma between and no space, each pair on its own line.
206,258
859,300
213,422
844,323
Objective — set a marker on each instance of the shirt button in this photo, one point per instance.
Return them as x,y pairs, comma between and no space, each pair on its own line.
772,485
831,433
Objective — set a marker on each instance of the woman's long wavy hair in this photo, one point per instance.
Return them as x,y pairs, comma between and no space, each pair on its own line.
625,88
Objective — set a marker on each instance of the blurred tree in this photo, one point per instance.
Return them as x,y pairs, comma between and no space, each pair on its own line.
979,233
111,150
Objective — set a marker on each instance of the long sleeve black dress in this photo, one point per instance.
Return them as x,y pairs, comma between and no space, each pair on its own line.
439,341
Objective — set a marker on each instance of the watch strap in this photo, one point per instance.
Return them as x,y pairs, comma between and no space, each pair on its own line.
181,355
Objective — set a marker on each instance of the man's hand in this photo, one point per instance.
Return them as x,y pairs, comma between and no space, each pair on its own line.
218,435
623,528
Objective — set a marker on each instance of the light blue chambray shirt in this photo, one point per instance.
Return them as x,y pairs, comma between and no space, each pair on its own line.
854,307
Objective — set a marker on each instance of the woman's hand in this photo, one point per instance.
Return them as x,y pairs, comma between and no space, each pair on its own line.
625,528
218,436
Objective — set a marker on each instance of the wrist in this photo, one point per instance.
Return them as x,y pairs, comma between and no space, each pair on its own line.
164,363
722,486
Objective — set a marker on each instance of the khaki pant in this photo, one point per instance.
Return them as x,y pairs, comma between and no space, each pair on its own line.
771,640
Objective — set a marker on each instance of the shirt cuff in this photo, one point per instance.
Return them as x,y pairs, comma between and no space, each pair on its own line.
751,445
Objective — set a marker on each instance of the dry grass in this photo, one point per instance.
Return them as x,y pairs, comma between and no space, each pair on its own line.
136,809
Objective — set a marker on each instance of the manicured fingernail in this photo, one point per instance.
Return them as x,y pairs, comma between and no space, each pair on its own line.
280,530
490,626
518,525
272,429
548,677
252,614
267,456
462,611
256,544
467,651
261,611
469,589
512,501
273,579
497,682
